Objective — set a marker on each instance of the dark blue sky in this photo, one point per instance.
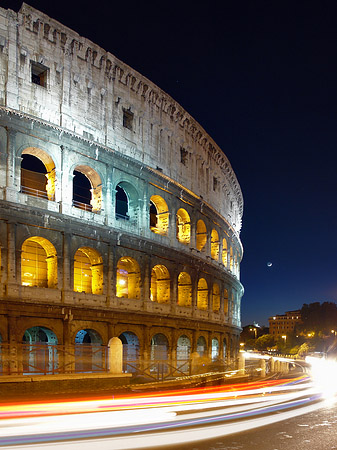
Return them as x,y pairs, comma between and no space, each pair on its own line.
261,78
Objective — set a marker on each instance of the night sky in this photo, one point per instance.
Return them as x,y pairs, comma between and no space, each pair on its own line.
261,78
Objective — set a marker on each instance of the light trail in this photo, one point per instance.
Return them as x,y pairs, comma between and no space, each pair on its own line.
164,418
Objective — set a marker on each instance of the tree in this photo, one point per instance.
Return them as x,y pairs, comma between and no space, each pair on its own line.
264,342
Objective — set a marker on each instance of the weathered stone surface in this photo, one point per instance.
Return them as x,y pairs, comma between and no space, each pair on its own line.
75,107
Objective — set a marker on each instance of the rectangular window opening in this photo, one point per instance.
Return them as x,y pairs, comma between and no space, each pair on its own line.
39,74
127,119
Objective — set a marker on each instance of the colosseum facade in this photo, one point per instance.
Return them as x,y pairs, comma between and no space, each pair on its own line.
120,216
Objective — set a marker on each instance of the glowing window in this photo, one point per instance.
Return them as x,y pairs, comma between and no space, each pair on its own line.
38,263
88,271
160,284
231,262
159,215
183,226
224,252
201,235
184,289
202,295
38,176
128,278
215,245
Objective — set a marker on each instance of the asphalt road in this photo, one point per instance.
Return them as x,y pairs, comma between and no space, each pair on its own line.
313,431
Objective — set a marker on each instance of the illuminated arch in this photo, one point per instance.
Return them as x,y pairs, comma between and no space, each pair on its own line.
128,278
38,177
183,226
216,297
159,215
87,189
160,284
231,262
88,271
202,295
184,289
38,263
215,245
201,235
224,252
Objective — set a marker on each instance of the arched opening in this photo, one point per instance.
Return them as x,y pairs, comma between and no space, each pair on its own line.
183,348
231,262
39,351
202,295
201,236
159,347
202,346
224,348
183,353
215,349
87,189
159,215
160,284
224,252
130,351
88,271
38,263
184,289
121,204
128,278
89,353
183,226
216,297
215,245
225,303
38,176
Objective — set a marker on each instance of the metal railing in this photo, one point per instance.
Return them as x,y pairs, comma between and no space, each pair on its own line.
34,192
44,359
83,206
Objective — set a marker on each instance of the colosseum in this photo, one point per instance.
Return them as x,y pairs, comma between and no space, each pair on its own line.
120,216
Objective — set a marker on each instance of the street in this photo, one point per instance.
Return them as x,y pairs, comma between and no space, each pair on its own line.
313,431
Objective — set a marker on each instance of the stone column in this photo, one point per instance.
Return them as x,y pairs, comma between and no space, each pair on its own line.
115,356
66,275
13,261
241,363
110,277
68,359
263,368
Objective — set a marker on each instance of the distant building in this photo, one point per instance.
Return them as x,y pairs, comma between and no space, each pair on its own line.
284,323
